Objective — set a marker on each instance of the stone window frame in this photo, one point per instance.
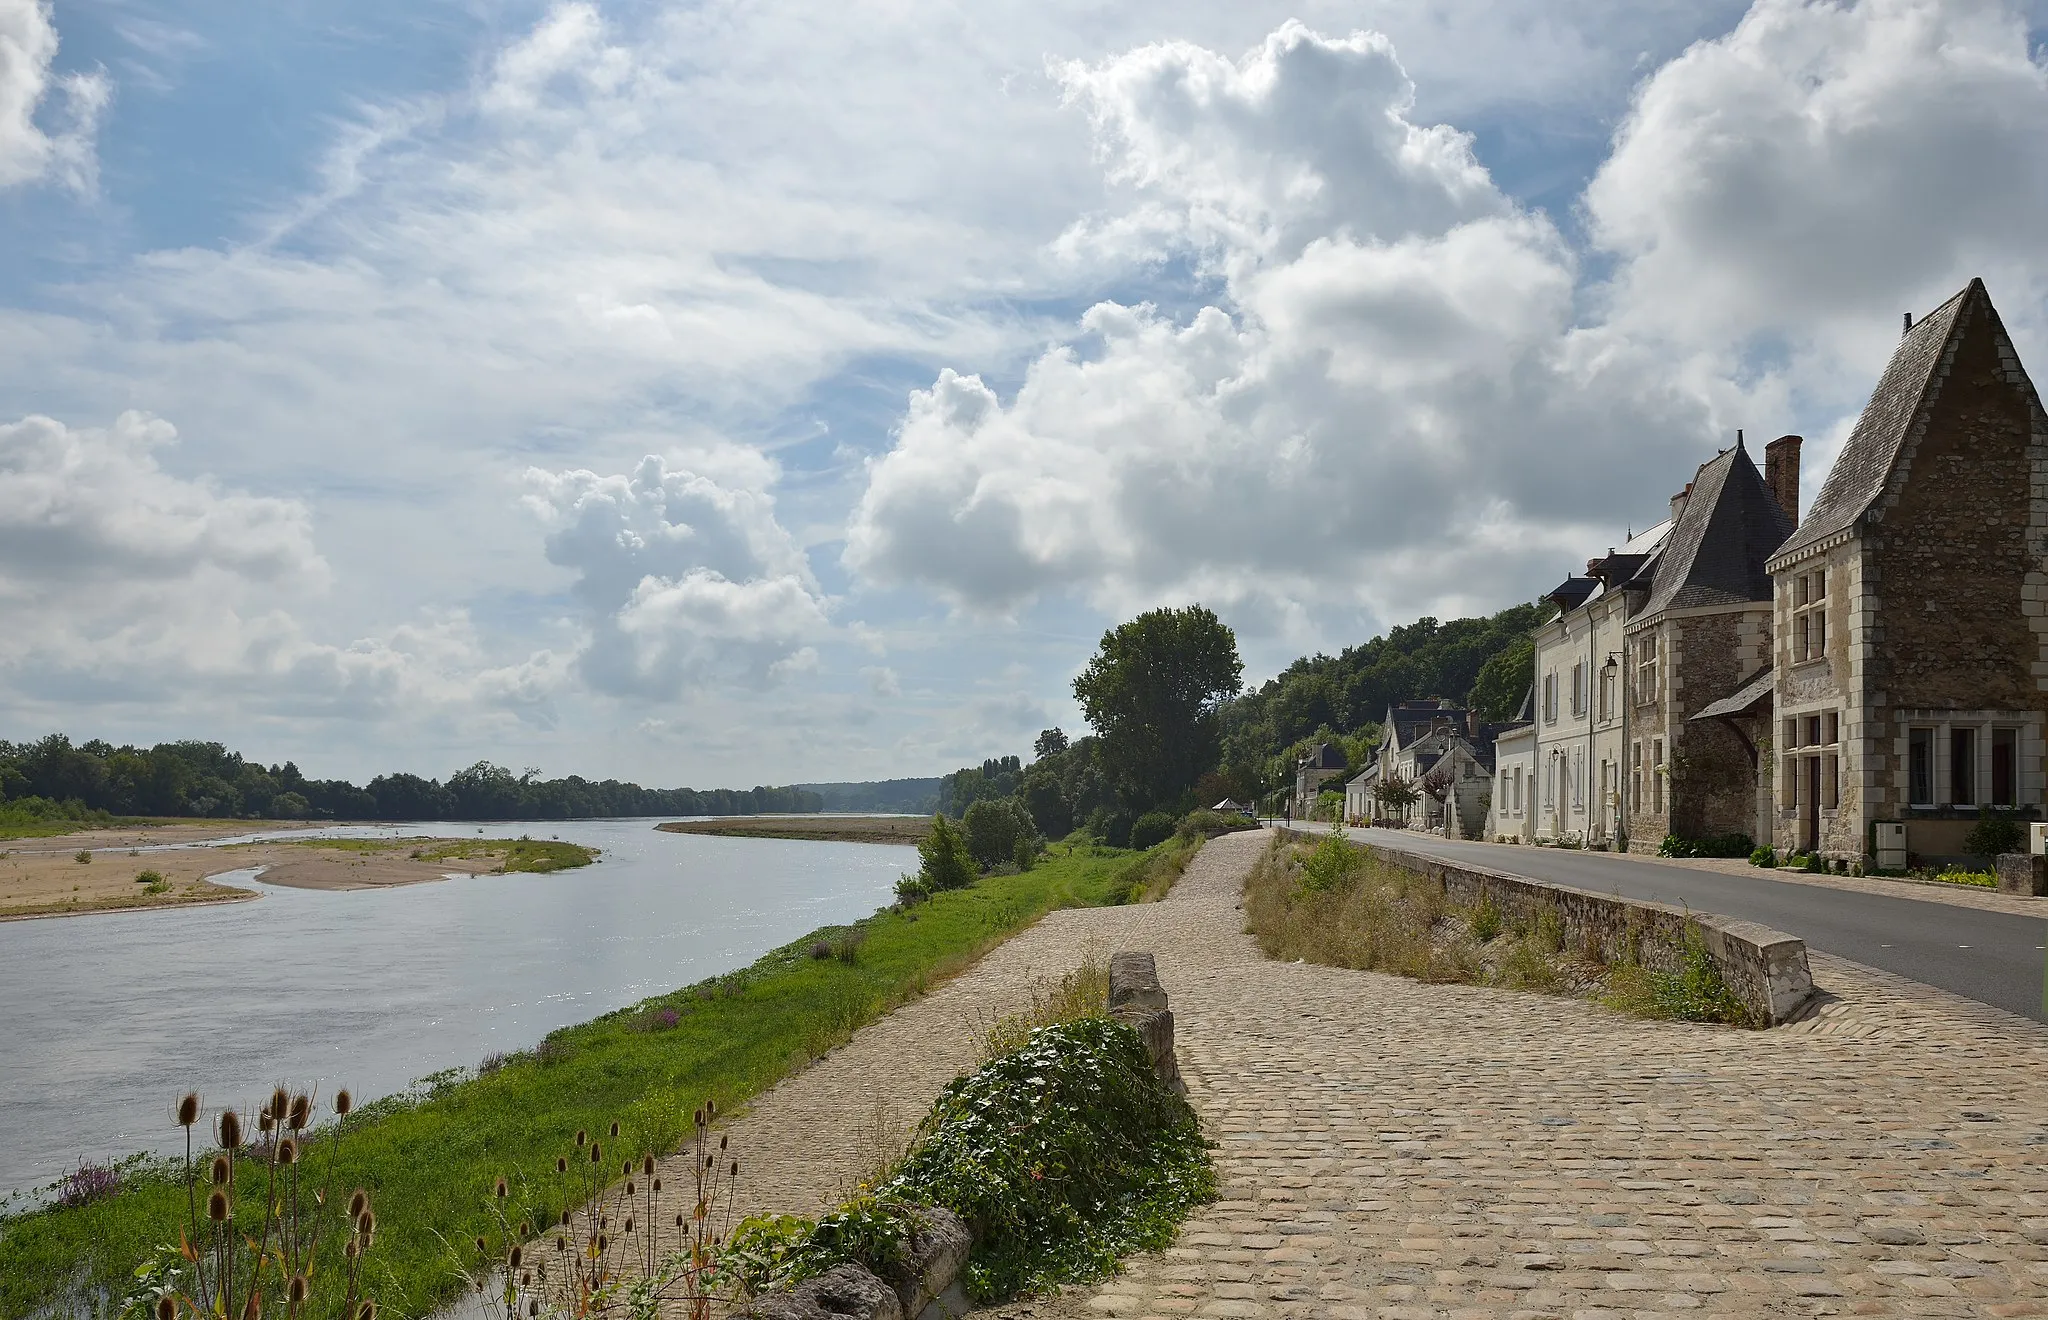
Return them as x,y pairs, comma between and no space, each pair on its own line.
1646,668
1579,702
1816,734
1984,725
1657,776
1809,626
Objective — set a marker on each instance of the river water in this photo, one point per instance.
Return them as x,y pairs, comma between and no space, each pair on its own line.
105,1020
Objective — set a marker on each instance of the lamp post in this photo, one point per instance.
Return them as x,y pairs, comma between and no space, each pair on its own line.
1621,771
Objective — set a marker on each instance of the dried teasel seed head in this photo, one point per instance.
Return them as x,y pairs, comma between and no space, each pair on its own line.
647,1165
561,1244
525,1229
613,1131
217,1207
280,1102
253,1308
499,1189
358,1201
483,1248
567,1218
629,1223
188,1109
603,1243
526,1278
711,1106
295,1292
230,1130
582,1138
369,1240
221,1170
533,1306
166,1308
722,1142
264,1122
287,1151
349,1249
679,1219
366,1223
735,1168
698,1118
657,1184
343,1102
302,1112
631,1188
596,1153
367,1311
604,1221
514,1256
561,1164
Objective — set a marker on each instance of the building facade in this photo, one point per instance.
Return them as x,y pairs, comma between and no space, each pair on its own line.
1908,677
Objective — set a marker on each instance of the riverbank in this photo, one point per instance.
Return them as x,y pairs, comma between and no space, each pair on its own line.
91,871
834,829
434,1152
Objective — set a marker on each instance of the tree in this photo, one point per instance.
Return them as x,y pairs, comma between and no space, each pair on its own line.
945,861
1051,742
1504,681
1437,783
1051,814
1151,693
993,827
1395,794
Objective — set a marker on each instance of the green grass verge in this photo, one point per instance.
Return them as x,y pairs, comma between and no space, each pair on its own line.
429,1156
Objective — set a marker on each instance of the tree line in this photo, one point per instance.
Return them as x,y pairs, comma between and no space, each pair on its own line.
1174,730
52,776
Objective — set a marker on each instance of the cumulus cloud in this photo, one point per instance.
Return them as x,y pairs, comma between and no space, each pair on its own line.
1828,163
1395,365
681,579
62,146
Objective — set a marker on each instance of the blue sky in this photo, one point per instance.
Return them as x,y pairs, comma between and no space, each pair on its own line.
728,393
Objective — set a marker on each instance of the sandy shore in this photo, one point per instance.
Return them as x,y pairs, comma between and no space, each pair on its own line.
44,878
836,829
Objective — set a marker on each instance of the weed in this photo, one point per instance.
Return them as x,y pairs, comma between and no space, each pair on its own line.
82,856
1485,920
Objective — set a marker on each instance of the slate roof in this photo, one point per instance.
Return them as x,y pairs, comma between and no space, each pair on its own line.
1716,551
1324,756
1740,702
1903,393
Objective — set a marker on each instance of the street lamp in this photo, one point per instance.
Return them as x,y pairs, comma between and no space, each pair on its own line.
1621,771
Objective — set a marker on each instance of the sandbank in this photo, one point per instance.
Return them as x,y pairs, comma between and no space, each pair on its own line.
837,829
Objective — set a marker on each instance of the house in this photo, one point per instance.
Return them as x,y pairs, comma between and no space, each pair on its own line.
1319,765
1651,634
1907,677
1359,805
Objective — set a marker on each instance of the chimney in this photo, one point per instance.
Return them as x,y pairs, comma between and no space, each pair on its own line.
1909,326
1678,501
1781,473
1472,725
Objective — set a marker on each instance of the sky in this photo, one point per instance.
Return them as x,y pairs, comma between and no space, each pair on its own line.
715,394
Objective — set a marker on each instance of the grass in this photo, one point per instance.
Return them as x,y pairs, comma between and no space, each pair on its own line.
1342,906
1956,875
429,1156
541,855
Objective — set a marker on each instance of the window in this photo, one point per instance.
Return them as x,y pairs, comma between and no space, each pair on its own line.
1920,767
1962,767
1578,689
1550,698
1810,615
1791,731
1646,670
1831,729
2005,763
1635,783
1812,731
1830,782
1657,774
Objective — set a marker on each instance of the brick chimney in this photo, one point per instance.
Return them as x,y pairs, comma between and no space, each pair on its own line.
1781,472
1678,501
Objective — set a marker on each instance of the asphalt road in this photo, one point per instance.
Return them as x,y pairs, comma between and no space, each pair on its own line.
1988,956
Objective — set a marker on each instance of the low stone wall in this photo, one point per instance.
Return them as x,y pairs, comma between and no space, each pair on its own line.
1764,968
1137,1000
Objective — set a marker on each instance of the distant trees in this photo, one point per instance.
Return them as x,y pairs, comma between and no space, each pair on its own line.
205,779
994,827
1504,680
1051,742
1151,692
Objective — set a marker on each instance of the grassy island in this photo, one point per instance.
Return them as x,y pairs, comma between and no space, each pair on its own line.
429,1156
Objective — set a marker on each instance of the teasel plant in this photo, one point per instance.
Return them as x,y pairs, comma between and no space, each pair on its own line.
623,1247
256,1221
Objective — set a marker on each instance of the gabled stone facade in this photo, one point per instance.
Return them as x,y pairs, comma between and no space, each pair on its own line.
1910,608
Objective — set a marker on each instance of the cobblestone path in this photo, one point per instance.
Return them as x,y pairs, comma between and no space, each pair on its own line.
1393,1149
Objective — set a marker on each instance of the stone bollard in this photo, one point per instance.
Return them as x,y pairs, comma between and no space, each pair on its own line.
926,1286
1137,999
844,1292
2023,873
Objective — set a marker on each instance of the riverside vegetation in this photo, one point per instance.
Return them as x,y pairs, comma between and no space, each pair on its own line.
430,1155
1340,905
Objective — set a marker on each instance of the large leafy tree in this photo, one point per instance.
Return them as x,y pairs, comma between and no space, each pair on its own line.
1151,693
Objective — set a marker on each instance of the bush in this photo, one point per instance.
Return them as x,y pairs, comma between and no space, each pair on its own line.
1763,855
1111,826
993,826
946,862
1995,832
1717,845
1208,824
1331,866
1816,864
1957,875
1151,828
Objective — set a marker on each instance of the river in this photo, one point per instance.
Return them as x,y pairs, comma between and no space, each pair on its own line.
106,1019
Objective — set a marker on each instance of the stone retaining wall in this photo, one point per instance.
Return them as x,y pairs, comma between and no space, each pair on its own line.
1764,968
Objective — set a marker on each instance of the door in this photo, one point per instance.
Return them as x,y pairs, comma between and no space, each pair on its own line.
1812,803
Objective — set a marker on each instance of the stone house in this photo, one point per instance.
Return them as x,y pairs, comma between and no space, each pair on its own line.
1908,679
1322,763
1514,763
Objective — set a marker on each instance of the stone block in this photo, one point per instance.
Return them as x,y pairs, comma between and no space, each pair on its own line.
2023,873
939,1243
845,1292
1134,980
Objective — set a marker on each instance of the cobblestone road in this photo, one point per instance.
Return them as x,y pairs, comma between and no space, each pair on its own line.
1392,1149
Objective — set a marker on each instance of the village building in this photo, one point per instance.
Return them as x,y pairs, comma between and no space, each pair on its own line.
1649,635
1320,764
1907,682
1441,751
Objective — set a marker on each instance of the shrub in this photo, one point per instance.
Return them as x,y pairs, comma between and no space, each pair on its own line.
1763,855
1331,866
82,856
1995,832
1026,855
1957,875
1716,845
1694,993
911,890
1816,864
994,826
87,1183
1111,826
945,861
1153,827
1208,824
1485,920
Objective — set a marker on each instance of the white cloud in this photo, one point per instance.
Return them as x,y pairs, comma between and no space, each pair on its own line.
681,579
1395,366
29,151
